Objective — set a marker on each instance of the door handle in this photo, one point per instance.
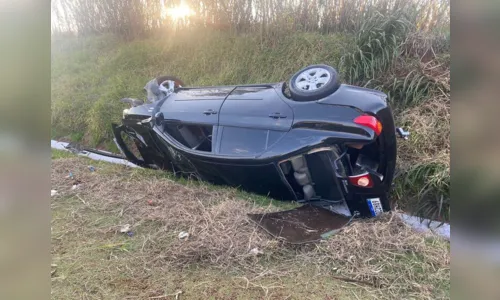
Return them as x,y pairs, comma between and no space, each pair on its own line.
210,112
277,115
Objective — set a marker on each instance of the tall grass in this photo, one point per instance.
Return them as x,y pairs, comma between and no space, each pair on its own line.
427,187
388,55
134,18
377,45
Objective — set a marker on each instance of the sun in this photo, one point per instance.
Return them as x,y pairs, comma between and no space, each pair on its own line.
179,12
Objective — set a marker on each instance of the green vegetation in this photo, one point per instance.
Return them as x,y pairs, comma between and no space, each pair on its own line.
59,154
378,44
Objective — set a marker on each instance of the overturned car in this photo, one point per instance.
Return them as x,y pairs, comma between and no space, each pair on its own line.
310,139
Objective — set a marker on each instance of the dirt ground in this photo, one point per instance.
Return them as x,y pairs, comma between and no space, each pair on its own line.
93,259
303,224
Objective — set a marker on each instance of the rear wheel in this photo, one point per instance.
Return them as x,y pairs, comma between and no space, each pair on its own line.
314,82
178,83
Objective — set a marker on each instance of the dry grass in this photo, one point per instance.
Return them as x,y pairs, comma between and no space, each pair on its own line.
423,184
386,254
423,106
430,125
380,258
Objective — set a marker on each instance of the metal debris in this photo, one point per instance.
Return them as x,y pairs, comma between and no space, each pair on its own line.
256,251
125,228
183,235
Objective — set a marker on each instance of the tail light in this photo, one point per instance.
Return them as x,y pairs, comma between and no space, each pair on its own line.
370,122
362,180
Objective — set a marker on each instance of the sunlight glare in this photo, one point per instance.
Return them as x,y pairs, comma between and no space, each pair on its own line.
179,12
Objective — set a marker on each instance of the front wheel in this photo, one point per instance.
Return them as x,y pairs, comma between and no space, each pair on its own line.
314,82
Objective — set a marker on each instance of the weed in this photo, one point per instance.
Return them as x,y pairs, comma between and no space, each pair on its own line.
429,187
61,154
377,45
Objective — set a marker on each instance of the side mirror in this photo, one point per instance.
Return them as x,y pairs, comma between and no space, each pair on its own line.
159,118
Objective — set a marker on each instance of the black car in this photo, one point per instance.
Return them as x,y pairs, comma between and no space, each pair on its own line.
310,139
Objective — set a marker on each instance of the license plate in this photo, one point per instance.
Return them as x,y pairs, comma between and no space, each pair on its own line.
375,206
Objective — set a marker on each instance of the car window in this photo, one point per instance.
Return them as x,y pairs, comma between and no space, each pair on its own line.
242,141
193,136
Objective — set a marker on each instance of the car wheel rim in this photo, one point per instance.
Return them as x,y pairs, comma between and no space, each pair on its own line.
177,84
313,79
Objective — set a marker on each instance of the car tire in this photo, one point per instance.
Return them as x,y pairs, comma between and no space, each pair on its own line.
178,83
313,82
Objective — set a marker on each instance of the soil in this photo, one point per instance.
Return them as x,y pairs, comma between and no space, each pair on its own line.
300,225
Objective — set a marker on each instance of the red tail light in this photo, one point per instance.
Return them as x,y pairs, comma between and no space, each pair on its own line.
363,180
370,122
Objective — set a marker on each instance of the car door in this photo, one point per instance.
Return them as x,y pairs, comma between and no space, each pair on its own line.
190,118
195,105
251,120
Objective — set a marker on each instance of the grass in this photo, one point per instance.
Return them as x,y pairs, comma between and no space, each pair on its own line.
423,184
377,45
381,259
58,154
258,200
430,183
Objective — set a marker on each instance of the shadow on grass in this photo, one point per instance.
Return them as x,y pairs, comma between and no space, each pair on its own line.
259,200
